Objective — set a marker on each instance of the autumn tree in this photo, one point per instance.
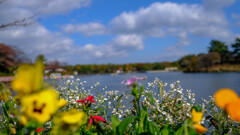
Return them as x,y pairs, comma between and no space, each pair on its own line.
11,57
7,58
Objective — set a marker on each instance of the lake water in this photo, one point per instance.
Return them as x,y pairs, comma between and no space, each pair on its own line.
202,84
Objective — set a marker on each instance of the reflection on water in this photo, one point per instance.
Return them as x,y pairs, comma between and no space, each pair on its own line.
202,84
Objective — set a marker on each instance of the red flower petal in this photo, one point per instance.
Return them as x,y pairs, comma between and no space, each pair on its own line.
99,118
90,121
40,129
82,100
90,98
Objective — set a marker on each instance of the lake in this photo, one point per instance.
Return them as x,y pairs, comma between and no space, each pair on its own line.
202,84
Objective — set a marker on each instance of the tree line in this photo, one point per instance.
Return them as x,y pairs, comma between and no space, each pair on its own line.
218,54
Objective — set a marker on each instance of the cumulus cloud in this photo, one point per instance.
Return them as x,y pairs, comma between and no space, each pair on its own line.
171,17
49,7
131,28
128,42
166,19
86,29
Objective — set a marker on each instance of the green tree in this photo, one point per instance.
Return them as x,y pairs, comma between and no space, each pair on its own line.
236,50
219,47
41,58
189,63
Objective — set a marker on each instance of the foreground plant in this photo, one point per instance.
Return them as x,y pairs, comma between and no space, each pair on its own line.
70,108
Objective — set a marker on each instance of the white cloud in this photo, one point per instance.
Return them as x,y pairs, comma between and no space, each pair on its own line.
167,16
165,19
86,29
128,42
49,7
130,28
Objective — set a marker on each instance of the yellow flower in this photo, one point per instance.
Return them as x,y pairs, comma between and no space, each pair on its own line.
233,109
40,106
68,121
74,117
196,118
227,99
28,79
62,103
225,96
23,119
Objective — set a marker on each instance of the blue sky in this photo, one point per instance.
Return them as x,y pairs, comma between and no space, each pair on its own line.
119,31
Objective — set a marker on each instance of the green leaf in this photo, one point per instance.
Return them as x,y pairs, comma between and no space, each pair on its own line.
165,131
115,122
121,128
179,131
5,111
197,108
33,125
141,89
153,128
150,97
135,91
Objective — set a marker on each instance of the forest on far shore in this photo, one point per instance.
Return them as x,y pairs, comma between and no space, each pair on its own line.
220,58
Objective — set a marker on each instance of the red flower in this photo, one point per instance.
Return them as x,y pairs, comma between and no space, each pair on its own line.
96,118
88,100
81,101
40,129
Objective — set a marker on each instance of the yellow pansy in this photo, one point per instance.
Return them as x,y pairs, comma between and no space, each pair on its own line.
74,117
23,119
225,96
62,103
196,118
40,106
28,79
68,121
228,99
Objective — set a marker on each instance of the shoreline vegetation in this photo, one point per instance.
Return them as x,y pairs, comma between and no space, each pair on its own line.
218,59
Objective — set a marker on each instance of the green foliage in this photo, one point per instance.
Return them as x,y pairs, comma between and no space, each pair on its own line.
153,111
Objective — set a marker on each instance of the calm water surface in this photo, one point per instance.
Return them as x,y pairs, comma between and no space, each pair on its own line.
202,84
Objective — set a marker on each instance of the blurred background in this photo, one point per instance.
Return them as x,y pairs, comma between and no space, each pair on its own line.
196,42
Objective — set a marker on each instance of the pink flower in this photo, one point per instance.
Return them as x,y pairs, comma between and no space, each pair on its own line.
134,79
96,118
40,129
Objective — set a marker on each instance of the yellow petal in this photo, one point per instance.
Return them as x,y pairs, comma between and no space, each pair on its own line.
74,117
40,106
233,109
62,103
225,96
200,128
23,119
196,116
28,79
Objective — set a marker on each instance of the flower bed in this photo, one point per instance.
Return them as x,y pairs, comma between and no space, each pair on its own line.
69,108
